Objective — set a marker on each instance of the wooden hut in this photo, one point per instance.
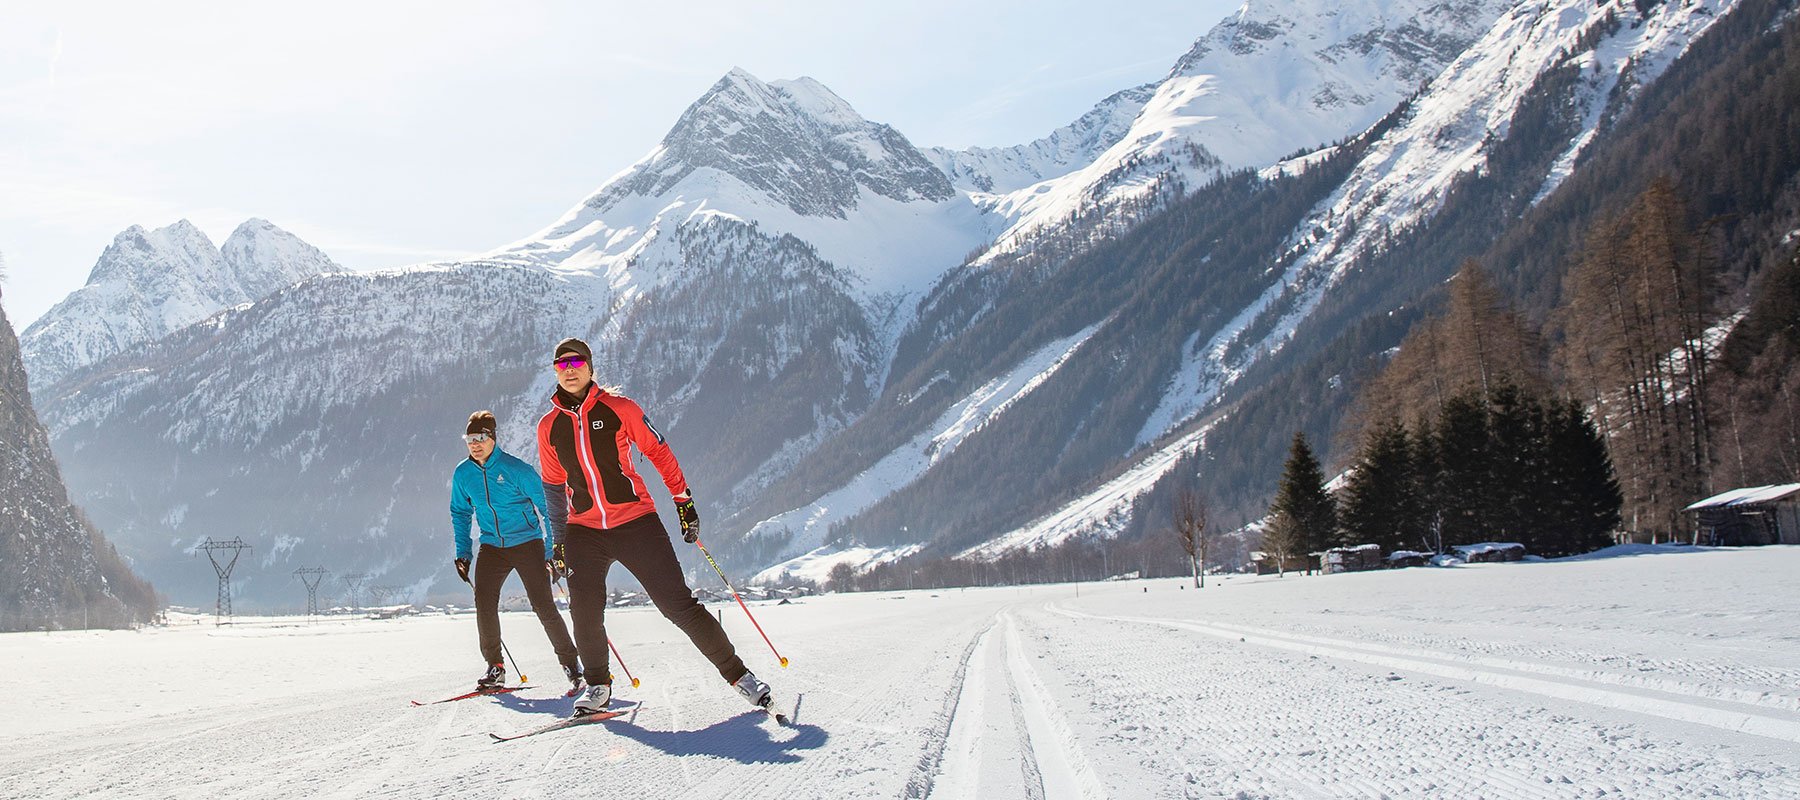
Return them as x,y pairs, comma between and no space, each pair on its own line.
1490,551
1351,559
1751,516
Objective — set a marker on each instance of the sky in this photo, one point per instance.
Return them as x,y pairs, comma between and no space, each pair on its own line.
396,133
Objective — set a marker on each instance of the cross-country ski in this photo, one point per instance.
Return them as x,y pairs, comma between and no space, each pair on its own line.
566,722
475,693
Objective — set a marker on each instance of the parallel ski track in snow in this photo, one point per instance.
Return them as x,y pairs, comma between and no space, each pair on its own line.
1008,712
945,735
1743,713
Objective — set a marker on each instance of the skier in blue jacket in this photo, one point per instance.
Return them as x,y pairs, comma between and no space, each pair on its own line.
505,498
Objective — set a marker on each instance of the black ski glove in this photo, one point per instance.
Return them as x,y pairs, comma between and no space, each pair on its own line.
462,569
559,568
689,516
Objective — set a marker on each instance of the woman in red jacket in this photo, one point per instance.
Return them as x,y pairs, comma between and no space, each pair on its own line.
601,512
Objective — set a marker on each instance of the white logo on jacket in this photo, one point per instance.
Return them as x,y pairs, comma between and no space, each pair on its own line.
599,423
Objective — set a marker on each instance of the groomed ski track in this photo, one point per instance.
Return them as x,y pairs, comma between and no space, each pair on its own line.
1667,675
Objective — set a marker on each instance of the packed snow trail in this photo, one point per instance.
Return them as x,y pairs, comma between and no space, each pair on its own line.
1341,686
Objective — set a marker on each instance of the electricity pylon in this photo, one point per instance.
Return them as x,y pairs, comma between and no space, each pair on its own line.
213,547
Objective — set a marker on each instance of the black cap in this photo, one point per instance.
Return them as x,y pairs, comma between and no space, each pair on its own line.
573,346
482,422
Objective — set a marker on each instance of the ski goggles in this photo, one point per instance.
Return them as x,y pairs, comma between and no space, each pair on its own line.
476,438
569,362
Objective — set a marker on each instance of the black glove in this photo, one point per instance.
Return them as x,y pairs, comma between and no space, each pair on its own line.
689,516
462,569
559,569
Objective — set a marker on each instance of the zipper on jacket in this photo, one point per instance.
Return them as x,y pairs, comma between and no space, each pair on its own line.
499,535
584,446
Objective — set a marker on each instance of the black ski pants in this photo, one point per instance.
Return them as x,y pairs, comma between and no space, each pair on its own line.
492,565
642,546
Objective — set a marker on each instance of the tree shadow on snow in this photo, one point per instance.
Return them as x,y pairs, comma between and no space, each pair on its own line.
747,738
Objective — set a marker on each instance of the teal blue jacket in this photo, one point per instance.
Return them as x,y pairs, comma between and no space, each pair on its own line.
504,497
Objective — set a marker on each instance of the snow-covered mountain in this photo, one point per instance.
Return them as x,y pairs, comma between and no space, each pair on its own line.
1122,449
150,283
783,285
791,158
1272,79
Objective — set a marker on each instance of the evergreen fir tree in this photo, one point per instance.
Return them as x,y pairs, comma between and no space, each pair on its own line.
1381,503
1303,510
1519,490
1587,494
1465,483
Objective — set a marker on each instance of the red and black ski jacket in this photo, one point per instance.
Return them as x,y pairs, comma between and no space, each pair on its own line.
584,450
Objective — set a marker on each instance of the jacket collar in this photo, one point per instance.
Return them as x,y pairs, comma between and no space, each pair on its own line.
492,457
557,397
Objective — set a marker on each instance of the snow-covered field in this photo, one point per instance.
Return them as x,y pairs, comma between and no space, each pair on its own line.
1654,675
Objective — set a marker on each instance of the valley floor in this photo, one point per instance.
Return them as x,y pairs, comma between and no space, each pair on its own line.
1655,675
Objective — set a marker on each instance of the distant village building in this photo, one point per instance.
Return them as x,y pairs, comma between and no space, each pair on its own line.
1490,551
1751,516
1265,563
1351,559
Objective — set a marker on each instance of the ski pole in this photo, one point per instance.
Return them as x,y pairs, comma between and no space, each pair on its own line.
515,662
740,601
615,651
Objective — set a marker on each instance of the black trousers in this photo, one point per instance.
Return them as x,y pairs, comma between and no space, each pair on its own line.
642,546
492,565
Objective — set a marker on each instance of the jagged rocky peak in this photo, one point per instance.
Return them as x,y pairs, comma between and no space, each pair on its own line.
139,254
263,258
774,138
149,283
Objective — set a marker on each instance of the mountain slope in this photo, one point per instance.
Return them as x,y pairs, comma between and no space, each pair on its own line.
1121,431
56,570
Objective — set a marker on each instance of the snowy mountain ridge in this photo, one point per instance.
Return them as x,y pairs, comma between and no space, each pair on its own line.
1000,170
792,158
149,283
1270,80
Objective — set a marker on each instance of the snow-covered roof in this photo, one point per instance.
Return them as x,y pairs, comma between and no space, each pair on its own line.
1748,496
1487,547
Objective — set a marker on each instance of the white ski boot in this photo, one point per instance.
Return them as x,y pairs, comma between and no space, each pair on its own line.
594,700
753,690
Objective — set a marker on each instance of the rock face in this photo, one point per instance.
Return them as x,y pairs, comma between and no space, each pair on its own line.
56,570
773,137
